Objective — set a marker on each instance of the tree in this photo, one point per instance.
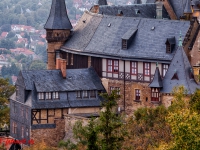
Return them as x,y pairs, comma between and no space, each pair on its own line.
110,124
6,90
184,121
6,28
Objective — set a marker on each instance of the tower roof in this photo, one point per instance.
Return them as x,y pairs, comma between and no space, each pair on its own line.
188,7
102,2
58,18
157,80
179,74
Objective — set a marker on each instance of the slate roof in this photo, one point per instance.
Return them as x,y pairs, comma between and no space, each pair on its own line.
136,10
93,36
51,80
188,7
157,80
102,2
181,66
58,18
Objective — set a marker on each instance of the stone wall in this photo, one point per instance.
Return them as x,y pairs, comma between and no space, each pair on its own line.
130,103
50,137
70,120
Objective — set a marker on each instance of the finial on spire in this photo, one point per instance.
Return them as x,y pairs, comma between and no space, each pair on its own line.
180,40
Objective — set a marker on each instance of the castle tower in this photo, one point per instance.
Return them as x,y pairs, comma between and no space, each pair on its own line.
58,28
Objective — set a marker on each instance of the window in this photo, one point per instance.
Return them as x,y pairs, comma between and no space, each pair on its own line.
93,94
26,131
14,127
137,94
41,96
155,94
109,65
78,94
134,68
113,66
55,95
117,89
147,69
22,130
72,59
164,69
168,48
124,44
85,94
48,95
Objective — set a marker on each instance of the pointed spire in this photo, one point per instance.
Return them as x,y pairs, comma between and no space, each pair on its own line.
102,2
179,73
58,18
188,7
157,80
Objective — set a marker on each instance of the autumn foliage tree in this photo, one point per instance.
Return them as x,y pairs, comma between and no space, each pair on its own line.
5,92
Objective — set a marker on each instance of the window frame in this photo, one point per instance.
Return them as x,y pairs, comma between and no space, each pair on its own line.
137,94
78,94
55,95
155,96
115,88
85,94
113,66
41,96
164,69
135,67
48,96
93,94
148,69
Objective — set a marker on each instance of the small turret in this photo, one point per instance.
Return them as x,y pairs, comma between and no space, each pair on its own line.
58,28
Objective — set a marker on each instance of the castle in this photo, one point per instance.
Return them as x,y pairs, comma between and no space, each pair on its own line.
143,51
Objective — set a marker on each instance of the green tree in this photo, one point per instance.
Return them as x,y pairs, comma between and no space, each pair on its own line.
6,90
110,124
184,121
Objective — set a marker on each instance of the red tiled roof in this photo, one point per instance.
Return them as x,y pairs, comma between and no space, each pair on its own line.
4,34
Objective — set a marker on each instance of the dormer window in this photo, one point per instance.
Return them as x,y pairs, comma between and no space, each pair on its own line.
41,96
48,95
175,76
128,37
124,44
170,44
78,94
55,95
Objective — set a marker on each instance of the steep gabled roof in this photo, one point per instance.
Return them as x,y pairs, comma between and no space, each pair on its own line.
58,18
101,35
179,73
51,80
157,80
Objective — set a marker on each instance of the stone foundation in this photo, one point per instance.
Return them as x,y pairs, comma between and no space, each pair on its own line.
50,137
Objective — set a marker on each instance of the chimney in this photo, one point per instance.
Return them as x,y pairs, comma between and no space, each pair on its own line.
63,65
58,59
159,9
95,9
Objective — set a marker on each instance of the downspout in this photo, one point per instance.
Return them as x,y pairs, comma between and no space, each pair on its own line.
124,89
